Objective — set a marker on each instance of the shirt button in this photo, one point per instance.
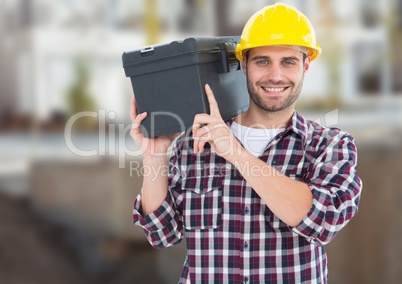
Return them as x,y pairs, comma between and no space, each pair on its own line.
245,279
245,245
246,211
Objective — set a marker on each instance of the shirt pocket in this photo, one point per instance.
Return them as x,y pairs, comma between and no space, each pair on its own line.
202,202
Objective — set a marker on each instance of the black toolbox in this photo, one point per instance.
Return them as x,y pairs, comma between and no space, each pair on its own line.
168,81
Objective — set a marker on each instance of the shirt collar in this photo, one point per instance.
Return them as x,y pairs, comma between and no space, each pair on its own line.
297,124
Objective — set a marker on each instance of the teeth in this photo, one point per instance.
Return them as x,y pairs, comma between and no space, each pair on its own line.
274,89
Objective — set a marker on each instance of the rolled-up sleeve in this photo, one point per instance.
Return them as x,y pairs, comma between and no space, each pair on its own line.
162,227
336,190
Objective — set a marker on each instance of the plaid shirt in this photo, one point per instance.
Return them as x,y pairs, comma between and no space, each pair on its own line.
232,236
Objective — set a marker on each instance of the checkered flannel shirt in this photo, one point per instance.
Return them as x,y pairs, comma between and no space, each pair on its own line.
231,235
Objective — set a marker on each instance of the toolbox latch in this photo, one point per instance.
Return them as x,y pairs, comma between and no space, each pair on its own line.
147,51
227,58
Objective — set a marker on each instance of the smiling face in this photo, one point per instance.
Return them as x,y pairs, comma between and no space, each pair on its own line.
275,77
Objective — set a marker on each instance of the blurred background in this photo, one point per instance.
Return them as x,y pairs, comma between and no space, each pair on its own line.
65,217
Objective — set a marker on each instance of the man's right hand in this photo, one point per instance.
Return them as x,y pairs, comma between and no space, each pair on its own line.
151,147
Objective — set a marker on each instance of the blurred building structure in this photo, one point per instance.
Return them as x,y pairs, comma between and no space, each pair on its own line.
41,39
356,84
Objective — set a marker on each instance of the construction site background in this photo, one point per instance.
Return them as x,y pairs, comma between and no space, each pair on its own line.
66,202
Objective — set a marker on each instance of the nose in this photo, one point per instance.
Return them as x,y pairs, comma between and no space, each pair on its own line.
274,72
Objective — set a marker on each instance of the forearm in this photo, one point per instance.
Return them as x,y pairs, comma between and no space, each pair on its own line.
155,183
289,199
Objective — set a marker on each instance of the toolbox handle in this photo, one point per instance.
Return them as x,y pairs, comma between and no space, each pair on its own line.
227,58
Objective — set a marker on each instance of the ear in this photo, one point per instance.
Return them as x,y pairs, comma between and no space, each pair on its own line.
244,65
307,64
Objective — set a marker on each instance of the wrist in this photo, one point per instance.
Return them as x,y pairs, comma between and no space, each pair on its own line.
238,154
155,160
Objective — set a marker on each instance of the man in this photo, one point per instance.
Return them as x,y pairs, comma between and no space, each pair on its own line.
256,197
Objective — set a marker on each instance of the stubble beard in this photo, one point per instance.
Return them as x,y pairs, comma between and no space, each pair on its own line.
259,101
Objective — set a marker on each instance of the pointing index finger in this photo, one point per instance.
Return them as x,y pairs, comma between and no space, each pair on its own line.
213,104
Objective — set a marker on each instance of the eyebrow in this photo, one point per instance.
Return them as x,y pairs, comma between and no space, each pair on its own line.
258,57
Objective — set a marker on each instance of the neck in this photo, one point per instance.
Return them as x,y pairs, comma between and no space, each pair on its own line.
258,118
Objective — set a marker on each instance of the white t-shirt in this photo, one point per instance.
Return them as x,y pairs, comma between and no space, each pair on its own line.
255,140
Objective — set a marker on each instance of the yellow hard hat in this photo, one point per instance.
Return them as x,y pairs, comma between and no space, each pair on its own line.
278,24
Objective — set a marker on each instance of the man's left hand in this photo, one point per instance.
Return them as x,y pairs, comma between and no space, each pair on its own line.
212,129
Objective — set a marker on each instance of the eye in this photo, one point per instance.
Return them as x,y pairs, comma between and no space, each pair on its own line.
262,62
289,63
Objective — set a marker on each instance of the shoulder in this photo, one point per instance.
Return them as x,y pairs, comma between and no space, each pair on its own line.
321,140
316,133
182,148
183,142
